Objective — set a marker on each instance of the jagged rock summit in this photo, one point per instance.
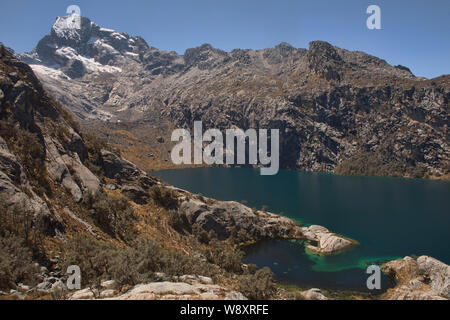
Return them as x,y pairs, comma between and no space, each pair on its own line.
77,50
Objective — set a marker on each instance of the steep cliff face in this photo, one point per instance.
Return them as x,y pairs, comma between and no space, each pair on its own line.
25,109
332,107
341,111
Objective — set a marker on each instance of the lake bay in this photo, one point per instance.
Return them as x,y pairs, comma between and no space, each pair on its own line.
389,217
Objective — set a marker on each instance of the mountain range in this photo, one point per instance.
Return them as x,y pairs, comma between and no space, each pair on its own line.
337,110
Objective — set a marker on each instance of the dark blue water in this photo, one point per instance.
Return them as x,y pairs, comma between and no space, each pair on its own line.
389,217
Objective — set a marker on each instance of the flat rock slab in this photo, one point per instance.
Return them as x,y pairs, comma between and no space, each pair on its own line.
326,241
179,291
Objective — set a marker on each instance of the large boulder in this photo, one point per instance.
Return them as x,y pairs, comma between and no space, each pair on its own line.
88,180
325,242
225,218
66,168
29,205
135,181
115,166
13,182
58,170
438,274
424,278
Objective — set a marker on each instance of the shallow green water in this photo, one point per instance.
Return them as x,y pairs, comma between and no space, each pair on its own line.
389,217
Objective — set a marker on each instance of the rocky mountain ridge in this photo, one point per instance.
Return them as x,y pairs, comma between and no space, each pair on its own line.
337,110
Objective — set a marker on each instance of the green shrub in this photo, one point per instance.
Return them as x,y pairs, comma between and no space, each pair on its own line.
138,264
94,146
92,256
29,149
14,220
258,286
242,237
179,222
295,295
114,216
124,270
164,197
202,235
229,259
16,264
251,269
151,257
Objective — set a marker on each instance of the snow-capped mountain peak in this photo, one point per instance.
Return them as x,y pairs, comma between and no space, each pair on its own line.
68,27
76,46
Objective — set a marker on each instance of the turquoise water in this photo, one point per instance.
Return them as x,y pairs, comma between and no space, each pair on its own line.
389,217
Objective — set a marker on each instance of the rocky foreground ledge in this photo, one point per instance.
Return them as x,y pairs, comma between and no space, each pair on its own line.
188,287
424,278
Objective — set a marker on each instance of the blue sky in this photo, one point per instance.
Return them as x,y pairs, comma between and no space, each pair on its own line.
414,33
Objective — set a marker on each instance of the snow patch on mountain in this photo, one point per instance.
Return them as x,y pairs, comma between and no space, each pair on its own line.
93,40
106,30
89,63
51,72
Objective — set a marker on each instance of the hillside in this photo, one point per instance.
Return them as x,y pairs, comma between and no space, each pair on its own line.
67,198
337,111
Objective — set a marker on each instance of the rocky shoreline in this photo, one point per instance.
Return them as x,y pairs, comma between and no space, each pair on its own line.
225,218
257,225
